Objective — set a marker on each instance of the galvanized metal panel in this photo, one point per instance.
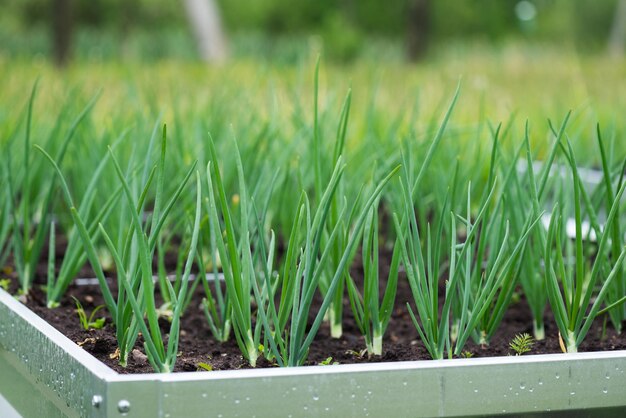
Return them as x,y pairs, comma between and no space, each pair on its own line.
73,383
7,410
24,398
48,359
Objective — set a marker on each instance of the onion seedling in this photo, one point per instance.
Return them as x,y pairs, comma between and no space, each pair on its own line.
215,304
572,292
302,275
532,278
487,282
160,357
617,293
29,236
372,316
133,260
235,256
75,257
423,272
321,174
472,297
335,312
493,237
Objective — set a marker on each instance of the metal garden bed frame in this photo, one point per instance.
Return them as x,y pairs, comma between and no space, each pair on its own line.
44,374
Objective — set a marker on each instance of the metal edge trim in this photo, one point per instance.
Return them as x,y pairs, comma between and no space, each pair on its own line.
96,367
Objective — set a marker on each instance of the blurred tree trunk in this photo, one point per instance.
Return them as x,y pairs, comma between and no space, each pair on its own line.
206,22
130,9
62,31
617,38
419,22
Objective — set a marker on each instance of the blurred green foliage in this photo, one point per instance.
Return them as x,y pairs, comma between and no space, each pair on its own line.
344,27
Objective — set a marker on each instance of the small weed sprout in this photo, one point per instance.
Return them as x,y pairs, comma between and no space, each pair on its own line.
522,343
4,284
165,311
466,354
357,354
90,322
328,362
204,367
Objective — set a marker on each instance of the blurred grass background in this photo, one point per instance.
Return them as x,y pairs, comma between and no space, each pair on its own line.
515,59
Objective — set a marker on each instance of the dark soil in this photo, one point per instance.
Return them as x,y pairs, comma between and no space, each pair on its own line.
197,345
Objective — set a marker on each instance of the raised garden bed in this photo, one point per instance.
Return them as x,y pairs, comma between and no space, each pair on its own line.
64,380
400,259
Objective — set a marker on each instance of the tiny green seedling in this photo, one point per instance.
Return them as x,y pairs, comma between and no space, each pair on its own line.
204,367
466,354
4,283
90,322
328,362
522,343
165,311
357,354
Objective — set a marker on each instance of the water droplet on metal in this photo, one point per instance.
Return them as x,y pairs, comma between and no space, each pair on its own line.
522,385
572,393
123,406
607,376
96,401
605,391
237,401
204,395
540,382
316,397
557,376
475,390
